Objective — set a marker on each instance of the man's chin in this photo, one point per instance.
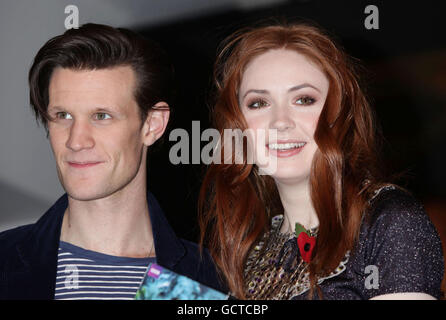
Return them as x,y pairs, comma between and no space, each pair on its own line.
86,195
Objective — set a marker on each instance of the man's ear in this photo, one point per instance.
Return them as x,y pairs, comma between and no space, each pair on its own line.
155,123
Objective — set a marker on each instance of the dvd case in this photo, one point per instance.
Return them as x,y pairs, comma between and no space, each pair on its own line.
160,283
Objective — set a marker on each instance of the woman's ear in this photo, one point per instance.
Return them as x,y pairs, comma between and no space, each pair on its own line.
155,123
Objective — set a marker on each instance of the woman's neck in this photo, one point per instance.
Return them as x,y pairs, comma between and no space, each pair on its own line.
297,204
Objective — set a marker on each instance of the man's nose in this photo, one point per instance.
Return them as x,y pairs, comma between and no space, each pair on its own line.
80,136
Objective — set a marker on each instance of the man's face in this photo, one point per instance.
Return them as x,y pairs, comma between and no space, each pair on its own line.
96,133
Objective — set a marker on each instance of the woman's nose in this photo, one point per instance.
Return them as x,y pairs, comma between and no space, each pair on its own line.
281,119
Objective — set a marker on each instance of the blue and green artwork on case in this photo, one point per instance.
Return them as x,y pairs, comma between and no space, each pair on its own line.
160,283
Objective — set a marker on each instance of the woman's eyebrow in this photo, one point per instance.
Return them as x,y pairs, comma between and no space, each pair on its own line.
303,85
255,91
298,87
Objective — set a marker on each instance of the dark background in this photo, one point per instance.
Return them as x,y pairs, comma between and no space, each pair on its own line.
405,61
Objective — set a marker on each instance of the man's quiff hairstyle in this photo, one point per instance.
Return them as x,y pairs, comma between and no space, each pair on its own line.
95,46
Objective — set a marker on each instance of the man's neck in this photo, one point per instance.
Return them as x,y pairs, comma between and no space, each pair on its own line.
117,225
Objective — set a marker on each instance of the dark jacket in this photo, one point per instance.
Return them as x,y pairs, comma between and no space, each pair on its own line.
28,254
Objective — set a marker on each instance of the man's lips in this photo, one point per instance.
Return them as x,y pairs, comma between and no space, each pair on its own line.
83,164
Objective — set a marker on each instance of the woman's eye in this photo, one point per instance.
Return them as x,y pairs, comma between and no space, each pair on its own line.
305,101
102,116
257,104
63,115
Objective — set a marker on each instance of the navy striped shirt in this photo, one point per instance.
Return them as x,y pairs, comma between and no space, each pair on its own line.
84,274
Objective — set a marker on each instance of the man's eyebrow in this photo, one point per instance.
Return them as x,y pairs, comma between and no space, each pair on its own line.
298,87
55,108
97,109
107,109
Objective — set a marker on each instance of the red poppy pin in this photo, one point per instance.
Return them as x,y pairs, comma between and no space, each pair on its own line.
305,242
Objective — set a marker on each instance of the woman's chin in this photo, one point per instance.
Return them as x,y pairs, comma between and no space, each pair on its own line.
293,177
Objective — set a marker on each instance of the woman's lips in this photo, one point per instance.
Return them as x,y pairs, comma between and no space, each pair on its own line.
284,149
81,165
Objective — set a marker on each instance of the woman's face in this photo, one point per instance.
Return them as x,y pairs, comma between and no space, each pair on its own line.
283,90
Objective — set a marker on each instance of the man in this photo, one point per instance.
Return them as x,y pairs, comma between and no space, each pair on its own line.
103,96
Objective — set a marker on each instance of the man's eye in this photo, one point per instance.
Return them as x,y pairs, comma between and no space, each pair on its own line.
305,100
257,104
63,115
102,116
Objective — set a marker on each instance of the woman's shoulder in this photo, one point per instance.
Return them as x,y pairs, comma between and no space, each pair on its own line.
394,214
393,205
398,237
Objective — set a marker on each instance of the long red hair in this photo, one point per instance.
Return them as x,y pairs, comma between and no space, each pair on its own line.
236,203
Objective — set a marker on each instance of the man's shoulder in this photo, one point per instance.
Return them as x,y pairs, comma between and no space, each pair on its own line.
15,234
31,235
11,237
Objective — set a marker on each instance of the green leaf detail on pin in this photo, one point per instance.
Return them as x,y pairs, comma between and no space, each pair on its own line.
300,228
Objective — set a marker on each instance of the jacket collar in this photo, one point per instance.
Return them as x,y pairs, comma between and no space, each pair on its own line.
38,251
34,277
169,249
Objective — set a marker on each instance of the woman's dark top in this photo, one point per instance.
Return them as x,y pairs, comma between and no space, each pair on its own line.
398,251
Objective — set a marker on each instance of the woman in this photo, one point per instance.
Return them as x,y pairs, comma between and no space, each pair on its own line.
323,224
